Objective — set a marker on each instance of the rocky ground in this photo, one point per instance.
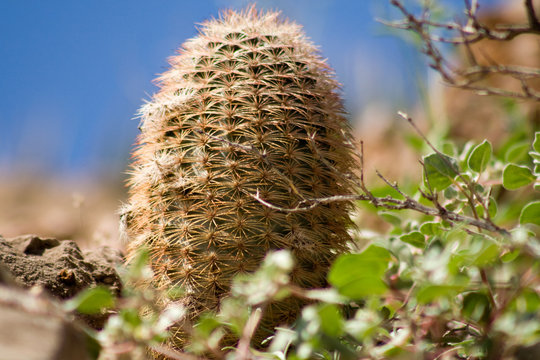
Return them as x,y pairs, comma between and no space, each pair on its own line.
35,273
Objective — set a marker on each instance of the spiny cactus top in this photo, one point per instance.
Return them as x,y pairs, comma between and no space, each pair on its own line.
247,108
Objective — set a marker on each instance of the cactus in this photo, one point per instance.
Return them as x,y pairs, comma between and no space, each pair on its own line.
248,108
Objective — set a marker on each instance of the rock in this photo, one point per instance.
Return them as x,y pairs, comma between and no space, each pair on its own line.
33,327
60,267
105,261
33,245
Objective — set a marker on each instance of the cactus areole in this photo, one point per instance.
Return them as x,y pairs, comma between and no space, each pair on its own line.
247,109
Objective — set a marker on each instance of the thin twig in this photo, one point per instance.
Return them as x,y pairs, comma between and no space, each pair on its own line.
470,196
465,35
313,203
392,204
491,295
534,22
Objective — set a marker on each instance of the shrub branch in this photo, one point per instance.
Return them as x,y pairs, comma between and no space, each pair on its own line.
472,31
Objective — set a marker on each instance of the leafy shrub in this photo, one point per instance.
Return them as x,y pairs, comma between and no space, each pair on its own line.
454,286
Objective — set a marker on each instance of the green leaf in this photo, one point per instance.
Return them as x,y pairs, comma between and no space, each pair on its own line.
510,256
530,214
91,301
515,176
415,142
360,275
93,347
331,320
439,171
480,156
415,238
489,252
431,228
466,152
517,153
479,210
131,316
449,148
492,207
363,286
528,301
390,218
450,192
207,323
480,252
476,306
430,293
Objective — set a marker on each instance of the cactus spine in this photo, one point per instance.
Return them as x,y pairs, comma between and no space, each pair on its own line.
247,107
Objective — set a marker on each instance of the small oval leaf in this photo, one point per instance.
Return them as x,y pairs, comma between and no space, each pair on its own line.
415,238
359,275
510,256
530,214
92,301
390,218
431,228
450,193
517,153
488,254
515,176
331,320
476,306
480,156
439,171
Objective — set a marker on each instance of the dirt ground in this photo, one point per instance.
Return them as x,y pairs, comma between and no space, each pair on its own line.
82,211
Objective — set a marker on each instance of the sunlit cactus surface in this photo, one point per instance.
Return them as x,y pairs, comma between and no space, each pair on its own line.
248,110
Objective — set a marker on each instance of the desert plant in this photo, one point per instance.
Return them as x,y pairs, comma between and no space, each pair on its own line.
248,114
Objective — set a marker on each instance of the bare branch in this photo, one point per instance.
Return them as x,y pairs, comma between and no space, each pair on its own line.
309,204
473,31
393,204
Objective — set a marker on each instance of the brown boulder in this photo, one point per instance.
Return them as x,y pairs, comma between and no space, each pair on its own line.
59,266
34,328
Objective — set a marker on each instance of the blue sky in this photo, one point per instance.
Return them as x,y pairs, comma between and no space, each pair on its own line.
73,73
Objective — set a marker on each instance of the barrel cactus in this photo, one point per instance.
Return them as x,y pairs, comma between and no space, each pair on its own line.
248,111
